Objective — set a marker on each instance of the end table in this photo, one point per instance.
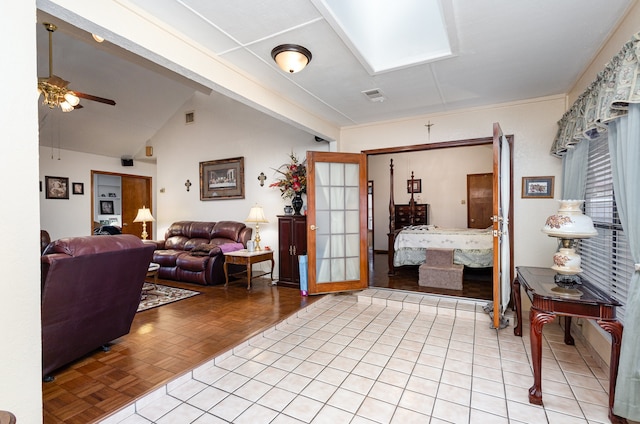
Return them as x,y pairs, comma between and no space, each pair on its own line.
546,304
246,258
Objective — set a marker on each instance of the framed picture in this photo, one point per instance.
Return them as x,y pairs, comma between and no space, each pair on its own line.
537,187
222,179
417,186
106,207
78,188
56,187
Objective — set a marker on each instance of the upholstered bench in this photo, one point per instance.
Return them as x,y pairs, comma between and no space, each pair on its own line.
439,271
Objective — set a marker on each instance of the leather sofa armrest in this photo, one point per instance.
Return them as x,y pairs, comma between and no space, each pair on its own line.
158,244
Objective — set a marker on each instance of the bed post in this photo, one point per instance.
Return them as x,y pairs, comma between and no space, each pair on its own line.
392,222
412,204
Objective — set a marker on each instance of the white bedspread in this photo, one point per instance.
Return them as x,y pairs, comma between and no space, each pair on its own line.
472,247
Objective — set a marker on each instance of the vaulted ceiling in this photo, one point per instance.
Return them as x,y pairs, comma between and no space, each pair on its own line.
502,50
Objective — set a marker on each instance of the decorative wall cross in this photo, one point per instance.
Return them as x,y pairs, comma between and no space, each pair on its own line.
262,177
188,185
429,125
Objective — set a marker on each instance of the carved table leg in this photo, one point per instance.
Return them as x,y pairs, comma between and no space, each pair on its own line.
537,320
271,272
249,266
568,340
515,295
615,329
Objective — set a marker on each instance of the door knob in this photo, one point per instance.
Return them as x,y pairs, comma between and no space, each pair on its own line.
313,227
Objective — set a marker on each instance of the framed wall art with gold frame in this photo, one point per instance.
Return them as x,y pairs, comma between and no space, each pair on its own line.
222,179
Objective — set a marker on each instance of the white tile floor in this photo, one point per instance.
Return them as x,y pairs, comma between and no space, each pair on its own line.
383,356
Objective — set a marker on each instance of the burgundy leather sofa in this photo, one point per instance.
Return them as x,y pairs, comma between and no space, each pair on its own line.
193,251
91,289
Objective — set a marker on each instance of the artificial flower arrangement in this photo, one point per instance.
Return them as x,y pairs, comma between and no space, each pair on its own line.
292,179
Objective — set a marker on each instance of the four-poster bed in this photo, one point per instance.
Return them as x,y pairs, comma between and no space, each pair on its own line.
410,236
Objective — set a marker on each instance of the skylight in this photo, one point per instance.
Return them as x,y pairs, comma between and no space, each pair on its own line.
387,35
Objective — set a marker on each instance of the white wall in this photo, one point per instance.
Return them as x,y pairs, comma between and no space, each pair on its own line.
72,217
444,184
533,124
223,129
20,363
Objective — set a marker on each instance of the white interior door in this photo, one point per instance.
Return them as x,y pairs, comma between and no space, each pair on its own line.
502,211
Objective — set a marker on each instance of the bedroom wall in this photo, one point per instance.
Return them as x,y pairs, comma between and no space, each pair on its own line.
72,217
444,184
533,124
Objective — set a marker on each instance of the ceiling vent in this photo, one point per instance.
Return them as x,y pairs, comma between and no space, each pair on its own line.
374,95
189,117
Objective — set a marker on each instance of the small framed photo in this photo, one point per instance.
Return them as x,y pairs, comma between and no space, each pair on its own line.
56,187
222,179
537,187
106,207
78,188
417,186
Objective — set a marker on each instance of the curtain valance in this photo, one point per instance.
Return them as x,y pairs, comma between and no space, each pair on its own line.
607,98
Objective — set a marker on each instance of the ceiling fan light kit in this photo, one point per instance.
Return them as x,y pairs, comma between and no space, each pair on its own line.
54,89
291,58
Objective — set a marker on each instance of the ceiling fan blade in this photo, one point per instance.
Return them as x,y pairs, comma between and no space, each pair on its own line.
78,106
94,98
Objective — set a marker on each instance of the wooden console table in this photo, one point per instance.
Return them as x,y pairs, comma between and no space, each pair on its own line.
546,304
244,257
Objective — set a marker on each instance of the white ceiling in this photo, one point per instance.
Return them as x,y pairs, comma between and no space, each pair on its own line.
503,50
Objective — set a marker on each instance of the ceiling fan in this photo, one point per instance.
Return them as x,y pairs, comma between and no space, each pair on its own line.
54,89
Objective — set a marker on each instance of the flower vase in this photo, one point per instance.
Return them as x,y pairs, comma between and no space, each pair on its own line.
296,202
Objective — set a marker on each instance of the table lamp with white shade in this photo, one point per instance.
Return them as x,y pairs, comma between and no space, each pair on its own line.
144,216
256,216
569,224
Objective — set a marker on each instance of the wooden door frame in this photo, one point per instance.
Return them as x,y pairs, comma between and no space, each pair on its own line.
117,174
446,145
373,223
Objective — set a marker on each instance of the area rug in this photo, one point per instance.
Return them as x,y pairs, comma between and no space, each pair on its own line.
161,295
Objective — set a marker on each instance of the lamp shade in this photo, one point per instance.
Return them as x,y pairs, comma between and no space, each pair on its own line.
570,222
256,214
144,215
291,57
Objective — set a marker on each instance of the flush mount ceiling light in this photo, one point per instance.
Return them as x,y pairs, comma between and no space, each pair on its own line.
291,57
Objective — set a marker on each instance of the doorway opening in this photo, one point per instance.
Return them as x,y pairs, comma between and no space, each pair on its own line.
116,200
477,281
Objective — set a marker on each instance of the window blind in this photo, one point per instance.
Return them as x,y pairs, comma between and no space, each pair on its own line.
606,258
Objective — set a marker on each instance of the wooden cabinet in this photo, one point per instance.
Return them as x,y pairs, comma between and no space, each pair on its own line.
292,242
404,215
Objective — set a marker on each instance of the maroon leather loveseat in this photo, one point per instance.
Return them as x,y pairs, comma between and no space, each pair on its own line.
91,289
193,251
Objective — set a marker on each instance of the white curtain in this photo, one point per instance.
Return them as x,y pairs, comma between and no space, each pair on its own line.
574,171
624,148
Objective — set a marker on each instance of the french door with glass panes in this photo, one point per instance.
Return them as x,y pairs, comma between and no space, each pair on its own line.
336,222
